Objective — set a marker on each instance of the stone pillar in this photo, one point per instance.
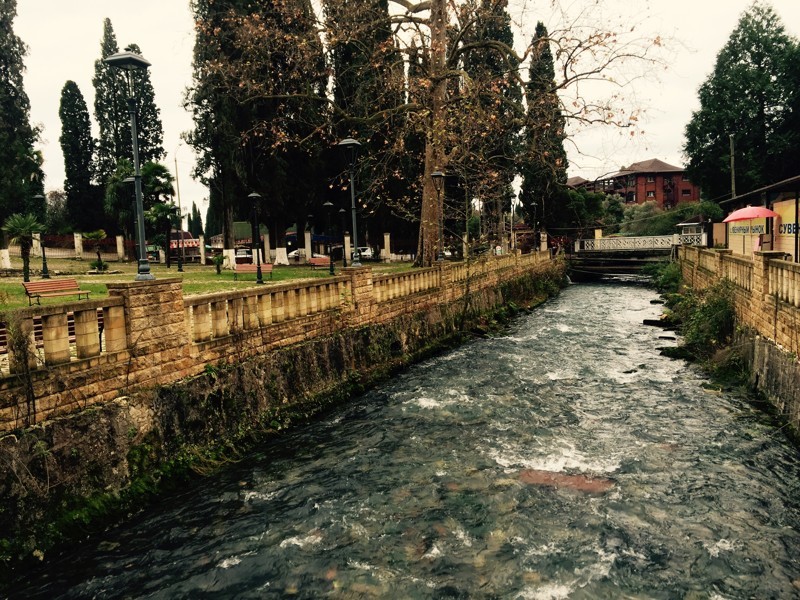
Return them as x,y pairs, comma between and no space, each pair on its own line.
202,249
155,323
230,258
251,312
5,259
201,316
36,247
15,362
761,271
55,337
386,251
267,250
78,245
87,333
120,248
265,309
114,328
363,295
720,263
219,319
309,249
347,249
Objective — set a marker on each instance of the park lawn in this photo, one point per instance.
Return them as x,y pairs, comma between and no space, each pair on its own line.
196,279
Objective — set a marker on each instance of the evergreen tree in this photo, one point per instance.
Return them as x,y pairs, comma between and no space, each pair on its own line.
218,118
148,116
77,146
544,161
491,92
21,177
112,114
195,222
750,95
368,77
110,110
259,128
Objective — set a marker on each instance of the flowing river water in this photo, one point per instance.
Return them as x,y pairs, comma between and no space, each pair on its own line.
564,458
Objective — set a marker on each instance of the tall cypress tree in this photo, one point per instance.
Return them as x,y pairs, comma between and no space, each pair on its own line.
112,113
195,222
544,160
21,176
218,118
495,99
258,128
148,119
110,110
77,145
368,77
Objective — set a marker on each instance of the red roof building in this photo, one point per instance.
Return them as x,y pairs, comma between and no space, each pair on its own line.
649,180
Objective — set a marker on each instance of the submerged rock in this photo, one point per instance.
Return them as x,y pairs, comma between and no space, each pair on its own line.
580,483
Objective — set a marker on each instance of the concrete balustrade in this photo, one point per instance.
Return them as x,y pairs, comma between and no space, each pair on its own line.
146,333
766,289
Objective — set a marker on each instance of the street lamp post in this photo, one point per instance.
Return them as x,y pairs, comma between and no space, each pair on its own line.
181,254
255,198
342,215
129,61
45,272
328,208
438,180
350,147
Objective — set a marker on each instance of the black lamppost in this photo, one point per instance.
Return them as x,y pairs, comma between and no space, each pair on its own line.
180,240
328,208
342,214
350,147
129,61
45,272
438,180
255,198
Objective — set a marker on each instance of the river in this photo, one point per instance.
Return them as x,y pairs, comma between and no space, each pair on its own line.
562,458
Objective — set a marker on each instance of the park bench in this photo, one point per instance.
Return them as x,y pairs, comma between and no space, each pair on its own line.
251,268
319,262
48,288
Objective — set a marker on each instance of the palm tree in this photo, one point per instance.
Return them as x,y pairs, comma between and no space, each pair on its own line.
95,237
21,229
162,217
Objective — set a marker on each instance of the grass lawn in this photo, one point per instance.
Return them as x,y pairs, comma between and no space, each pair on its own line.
196,279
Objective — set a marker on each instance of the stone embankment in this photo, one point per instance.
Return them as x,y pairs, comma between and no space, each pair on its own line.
766,292
103,397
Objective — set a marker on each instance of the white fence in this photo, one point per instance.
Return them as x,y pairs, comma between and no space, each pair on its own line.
652,242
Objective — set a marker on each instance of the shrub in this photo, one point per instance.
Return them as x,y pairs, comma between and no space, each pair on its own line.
707,319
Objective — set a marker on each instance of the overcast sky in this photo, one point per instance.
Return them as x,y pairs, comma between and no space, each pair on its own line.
63,37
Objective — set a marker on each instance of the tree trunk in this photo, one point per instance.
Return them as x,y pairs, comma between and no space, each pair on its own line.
434,142
25,251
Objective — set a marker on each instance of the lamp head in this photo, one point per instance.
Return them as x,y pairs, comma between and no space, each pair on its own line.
438,180
129,62
351,148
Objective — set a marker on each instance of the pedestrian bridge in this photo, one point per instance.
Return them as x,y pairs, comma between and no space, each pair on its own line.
626,255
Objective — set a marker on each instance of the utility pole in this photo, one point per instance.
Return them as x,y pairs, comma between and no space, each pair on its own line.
733,171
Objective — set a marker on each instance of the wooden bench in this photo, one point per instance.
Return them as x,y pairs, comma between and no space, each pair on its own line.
319,262
252,268
48,288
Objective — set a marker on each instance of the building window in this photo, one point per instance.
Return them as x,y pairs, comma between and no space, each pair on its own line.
651,179
686,193
651,194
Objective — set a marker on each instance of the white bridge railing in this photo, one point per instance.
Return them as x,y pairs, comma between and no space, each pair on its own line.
652,242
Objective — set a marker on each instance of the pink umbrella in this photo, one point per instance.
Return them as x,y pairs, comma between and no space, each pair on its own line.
748,213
